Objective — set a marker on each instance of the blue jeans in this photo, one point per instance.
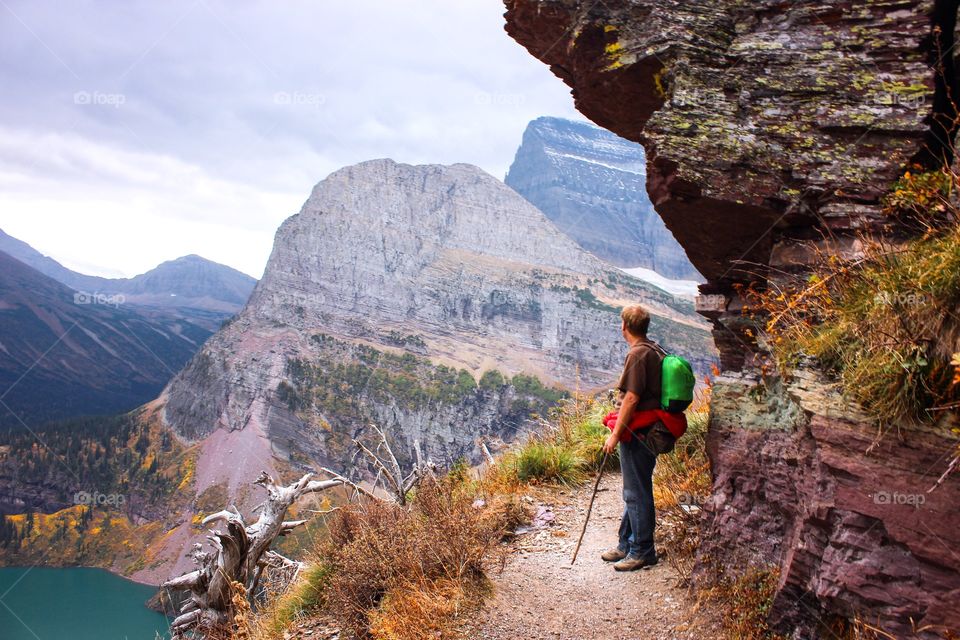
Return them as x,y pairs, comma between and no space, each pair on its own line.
639,516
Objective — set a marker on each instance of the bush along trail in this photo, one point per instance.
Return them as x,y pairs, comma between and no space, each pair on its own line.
486,553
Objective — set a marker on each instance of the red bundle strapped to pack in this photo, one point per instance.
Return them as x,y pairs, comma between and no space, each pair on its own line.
676,423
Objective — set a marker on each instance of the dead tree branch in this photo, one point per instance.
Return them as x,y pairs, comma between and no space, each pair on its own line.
241,554
397,484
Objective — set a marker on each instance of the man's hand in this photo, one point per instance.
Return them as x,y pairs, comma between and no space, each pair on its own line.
630,400
610,445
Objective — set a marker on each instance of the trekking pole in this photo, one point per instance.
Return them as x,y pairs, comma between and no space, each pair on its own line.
593,496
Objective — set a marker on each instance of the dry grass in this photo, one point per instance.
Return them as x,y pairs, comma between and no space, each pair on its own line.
421,611
395,571
681,482
887,323
746,602
861,629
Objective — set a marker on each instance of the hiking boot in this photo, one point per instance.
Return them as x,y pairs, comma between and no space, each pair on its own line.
632,563
613,555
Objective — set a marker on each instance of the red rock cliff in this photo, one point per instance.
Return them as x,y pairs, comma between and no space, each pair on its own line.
768,126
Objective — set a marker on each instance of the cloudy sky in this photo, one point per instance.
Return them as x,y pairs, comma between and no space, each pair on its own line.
134,132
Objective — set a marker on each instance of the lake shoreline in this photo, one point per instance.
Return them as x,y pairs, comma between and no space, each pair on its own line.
109,570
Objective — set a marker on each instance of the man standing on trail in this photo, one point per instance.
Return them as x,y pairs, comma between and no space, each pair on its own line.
639,387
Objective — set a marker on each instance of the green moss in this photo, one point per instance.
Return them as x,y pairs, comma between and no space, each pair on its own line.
492,380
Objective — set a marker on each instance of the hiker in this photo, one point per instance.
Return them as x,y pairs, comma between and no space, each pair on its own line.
639,387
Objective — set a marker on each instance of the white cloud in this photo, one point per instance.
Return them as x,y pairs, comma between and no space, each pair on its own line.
204,123
95,207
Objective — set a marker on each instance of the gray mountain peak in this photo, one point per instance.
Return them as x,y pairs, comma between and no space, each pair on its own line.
592,184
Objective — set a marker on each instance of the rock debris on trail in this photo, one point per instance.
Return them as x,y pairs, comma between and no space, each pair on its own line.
539,595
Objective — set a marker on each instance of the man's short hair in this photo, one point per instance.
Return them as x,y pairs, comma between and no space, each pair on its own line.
636,319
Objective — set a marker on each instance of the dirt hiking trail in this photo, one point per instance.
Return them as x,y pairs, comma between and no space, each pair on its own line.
538,595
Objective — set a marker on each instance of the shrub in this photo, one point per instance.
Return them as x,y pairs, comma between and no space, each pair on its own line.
922,198
395,571
587,432
543,461
492,380
885,323
746,602
564,452
418,611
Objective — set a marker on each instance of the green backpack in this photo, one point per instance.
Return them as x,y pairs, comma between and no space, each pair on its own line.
676,383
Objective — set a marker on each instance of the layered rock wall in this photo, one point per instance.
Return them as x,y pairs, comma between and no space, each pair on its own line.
802,484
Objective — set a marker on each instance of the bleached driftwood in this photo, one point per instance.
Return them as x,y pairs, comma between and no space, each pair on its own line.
240,555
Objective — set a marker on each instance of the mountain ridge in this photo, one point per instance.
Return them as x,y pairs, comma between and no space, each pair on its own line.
63,353
592,185
172,284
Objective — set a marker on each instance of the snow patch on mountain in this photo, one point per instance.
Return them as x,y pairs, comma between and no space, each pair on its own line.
683,288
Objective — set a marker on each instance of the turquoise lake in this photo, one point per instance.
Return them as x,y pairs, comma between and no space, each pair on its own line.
74,604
